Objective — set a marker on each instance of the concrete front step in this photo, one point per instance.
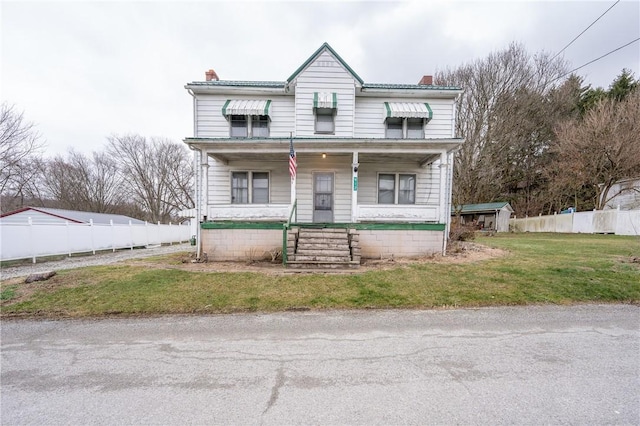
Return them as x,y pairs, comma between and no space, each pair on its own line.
324,230
303,245
295,264
323,248
318,257
325,252
328,237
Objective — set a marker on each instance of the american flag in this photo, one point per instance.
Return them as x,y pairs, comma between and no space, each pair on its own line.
293,166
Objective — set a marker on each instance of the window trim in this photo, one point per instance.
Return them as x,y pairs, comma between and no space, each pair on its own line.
396,188
250,174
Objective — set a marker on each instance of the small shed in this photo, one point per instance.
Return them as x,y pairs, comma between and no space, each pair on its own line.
47,215
485,216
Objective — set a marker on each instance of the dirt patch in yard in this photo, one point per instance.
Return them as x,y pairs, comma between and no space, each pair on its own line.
458,252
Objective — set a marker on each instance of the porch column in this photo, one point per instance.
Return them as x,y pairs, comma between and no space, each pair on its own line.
443,187
354,188
204,165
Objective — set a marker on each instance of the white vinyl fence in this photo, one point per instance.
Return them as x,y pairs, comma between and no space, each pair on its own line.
32,240
619,222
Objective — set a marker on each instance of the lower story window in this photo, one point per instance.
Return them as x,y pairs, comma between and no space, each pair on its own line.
250,187
396,188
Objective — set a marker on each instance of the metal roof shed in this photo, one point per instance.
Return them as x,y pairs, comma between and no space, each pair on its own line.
48,215
487,216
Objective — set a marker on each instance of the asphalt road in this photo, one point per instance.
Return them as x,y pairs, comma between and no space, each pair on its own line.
521,365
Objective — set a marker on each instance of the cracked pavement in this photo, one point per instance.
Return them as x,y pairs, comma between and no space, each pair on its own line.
526,365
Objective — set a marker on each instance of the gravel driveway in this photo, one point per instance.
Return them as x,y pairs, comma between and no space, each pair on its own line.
98,259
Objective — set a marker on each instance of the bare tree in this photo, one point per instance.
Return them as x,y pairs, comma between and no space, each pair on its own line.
157,173
19,144
601,149
26,188
500,90
80,182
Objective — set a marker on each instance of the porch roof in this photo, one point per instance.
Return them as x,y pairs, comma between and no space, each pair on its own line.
423,151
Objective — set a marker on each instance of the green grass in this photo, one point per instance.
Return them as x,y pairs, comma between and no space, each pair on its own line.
539,268
8,292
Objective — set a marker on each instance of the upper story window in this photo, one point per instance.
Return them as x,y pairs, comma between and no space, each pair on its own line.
404,128
394,128
247,118
406,120
325,107
325,121
396,188
260,126
239,126
249,187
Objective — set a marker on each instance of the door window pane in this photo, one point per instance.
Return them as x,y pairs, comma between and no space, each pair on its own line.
394,128
324,183
239,188
407,189
260,187
386,189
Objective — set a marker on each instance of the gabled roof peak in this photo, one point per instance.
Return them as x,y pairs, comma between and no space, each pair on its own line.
325,47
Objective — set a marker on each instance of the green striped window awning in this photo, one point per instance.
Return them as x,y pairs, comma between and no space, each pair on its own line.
246,107
325,100
408,110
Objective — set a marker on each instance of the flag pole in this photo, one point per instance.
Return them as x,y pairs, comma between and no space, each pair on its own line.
293,169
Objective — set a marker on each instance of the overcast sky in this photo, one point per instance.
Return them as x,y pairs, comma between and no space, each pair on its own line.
84,70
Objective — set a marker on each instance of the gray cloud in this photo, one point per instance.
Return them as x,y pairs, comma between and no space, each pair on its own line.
82,71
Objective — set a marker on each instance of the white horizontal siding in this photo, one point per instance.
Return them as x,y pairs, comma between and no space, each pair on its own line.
340,165
370,114
325,74
210,123
220,180
427,181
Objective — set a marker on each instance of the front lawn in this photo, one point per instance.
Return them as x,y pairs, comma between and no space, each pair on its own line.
537,268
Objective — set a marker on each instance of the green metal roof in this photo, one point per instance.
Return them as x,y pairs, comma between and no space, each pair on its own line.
482,207
317,53
237,83
407,86
325,46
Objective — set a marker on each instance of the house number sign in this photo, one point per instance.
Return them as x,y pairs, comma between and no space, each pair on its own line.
355,183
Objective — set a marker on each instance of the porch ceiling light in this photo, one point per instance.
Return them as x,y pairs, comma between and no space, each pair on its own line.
324,155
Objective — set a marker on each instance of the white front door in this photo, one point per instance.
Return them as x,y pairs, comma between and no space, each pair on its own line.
323,197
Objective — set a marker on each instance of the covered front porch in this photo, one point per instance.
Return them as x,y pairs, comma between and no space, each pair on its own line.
337,180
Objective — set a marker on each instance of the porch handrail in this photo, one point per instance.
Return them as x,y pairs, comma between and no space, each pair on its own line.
286,227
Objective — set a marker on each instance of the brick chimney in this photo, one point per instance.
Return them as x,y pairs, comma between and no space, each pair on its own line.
211,75
426,80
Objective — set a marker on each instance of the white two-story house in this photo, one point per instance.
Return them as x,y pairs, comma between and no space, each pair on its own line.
373,159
